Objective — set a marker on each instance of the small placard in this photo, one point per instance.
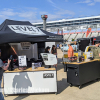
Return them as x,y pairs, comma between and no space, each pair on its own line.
25,45
48,75
22,60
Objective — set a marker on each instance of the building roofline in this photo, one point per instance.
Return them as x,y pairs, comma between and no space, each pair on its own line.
63,20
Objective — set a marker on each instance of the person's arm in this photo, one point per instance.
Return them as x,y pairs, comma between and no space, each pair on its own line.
6,67
51,51
99,51
99,54
71,52
56,52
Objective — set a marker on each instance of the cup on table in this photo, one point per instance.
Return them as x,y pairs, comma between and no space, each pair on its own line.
33,67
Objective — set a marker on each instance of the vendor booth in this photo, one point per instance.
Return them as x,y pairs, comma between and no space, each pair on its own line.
83,50
79,73
19,38
40,80
86,68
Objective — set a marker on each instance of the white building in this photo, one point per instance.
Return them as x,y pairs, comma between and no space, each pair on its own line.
73,26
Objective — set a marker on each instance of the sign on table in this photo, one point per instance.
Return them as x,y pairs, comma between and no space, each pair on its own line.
22,60
49,59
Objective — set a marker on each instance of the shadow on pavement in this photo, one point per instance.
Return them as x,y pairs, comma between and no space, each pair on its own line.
21,97
59,65
89,83
62,85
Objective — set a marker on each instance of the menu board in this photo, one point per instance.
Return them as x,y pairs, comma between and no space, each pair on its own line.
25,45
22,60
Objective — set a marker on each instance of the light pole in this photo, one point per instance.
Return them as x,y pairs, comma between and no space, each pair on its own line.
44,17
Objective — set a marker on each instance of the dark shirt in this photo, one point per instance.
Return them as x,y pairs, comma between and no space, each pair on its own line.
54,51
46,51
1,70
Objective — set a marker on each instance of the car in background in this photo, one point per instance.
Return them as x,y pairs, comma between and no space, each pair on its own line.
58,46
66,47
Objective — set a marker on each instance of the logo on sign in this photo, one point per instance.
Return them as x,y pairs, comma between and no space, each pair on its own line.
48,75
26,29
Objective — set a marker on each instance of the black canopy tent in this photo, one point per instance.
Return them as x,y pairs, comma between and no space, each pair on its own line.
16,32
12,31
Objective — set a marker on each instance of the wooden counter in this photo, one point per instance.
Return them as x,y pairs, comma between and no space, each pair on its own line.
30,69
83,62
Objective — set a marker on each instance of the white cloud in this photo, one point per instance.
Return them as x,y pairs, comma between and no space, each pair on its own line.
91,4
58,15
51,1
3,17
96,0
27,14
31,14
53,17
63,12
9,13
85,1
59,12
53,4
43,12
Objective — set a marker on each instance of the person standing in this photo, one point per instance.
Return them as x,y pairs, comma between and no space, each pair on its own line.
96,52
70,50
54,51
47,51
2,67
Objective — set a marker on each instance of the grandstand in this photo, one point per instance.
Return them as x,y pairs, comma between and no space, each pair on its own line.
66,37
79,35
74,28
94,34
75,34
72,36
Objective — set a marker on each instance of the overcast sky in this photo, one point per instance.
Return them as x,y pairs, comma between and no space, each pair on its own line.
31,10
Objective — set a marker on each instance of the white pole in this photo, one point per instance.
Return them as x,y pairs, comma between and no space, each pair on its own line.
63,48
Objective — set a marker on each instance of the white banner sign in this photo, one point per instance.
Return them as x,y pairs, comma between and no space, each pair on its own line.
26,29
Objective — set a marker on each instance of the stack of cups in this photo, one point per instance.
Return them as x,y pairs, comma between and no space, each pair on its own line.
33,67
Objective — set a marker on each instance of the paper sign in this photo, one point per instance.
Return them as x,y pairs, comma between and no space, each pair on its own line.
22,60
25,45
49,59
